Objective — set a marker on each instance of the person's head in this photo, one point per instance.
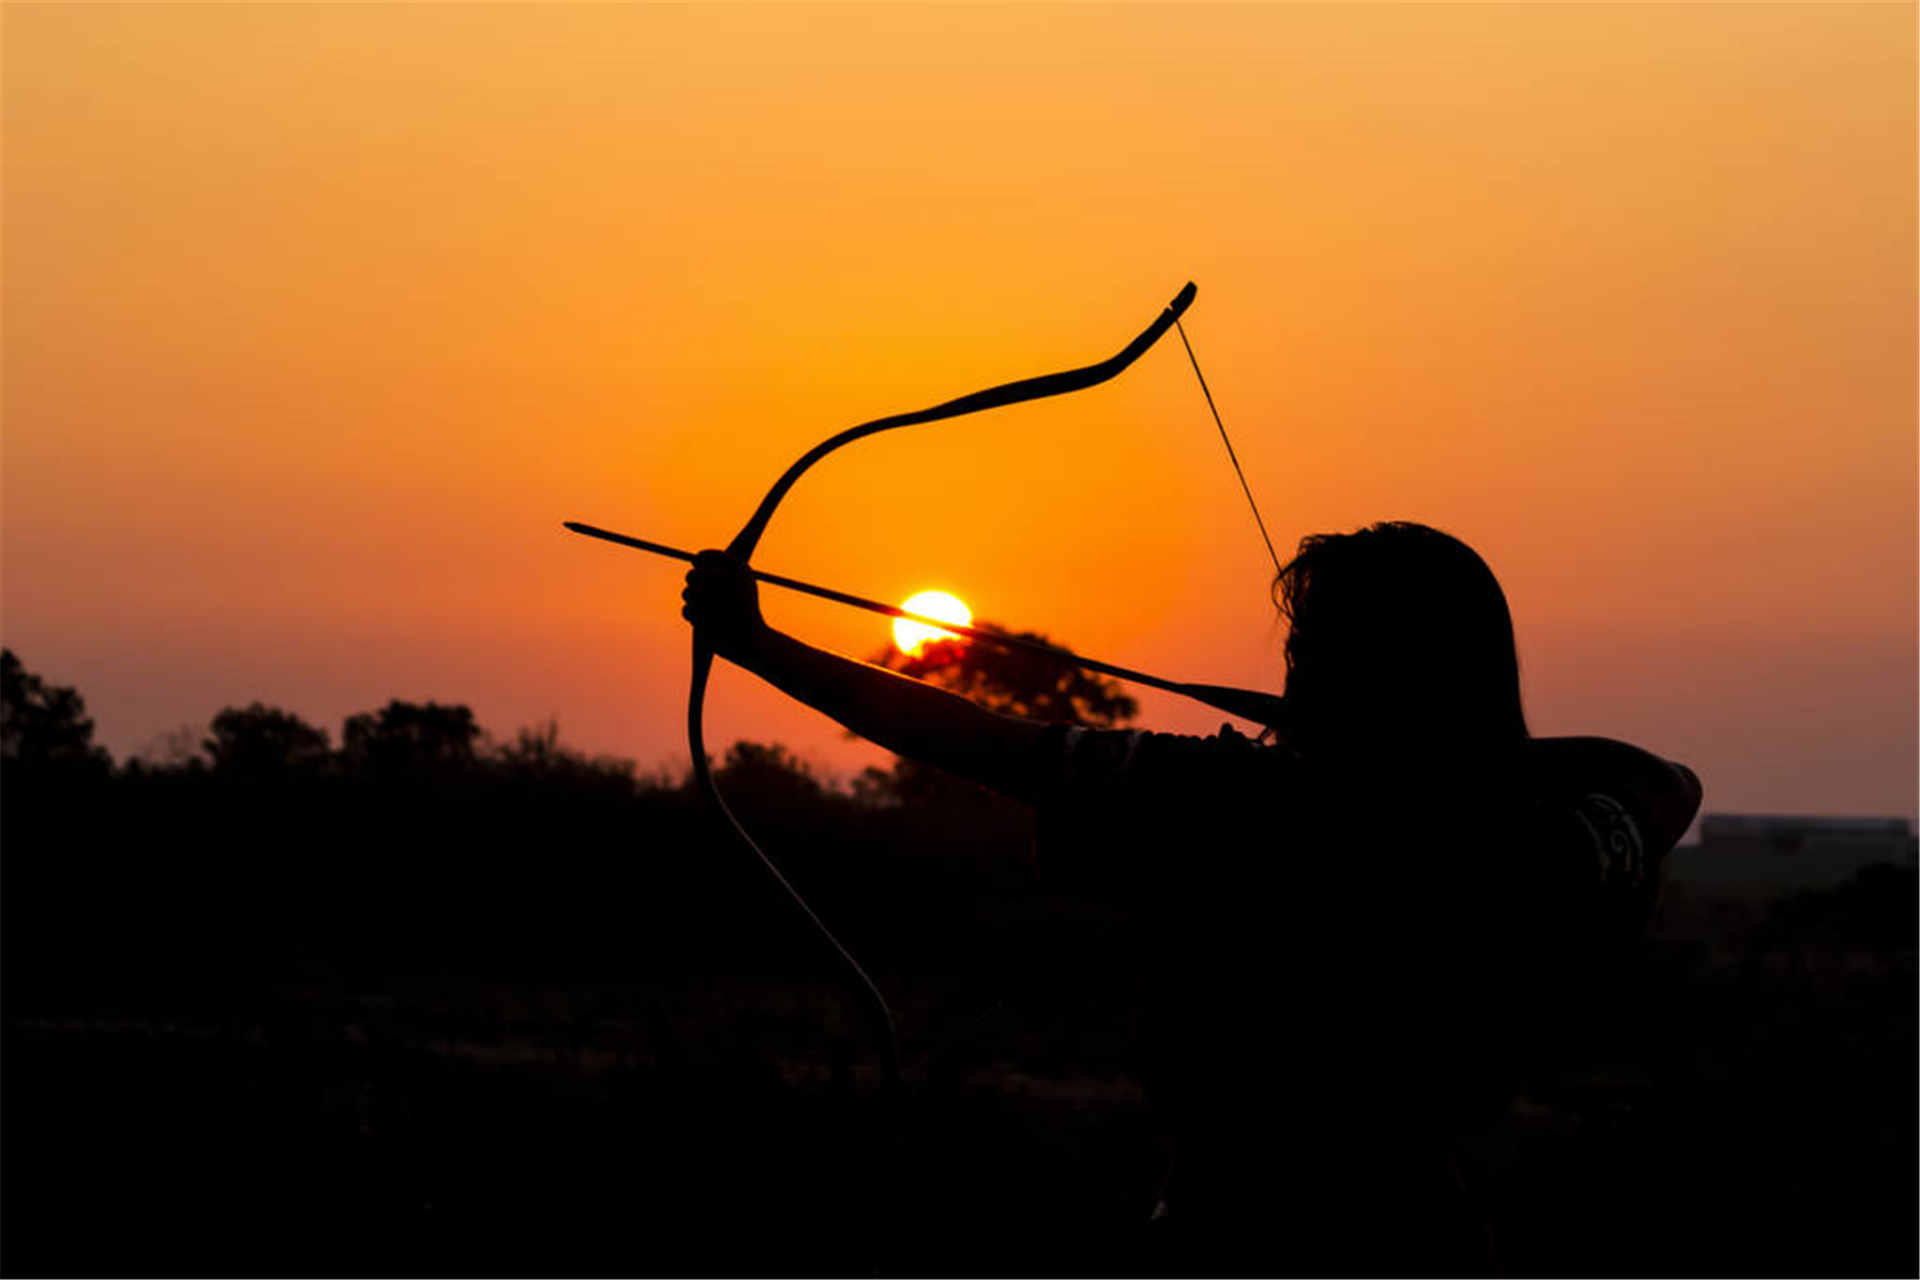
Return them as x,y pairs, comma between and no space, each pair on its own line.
1398,634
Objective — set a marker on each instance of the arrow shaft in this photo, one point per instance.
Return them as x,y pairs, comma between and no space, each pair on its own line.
1245,703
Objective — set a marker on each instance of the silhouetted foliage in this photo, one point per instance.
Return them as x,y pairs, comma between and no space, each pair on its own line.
770,773
409,737
1015,681
536,759
259,739
181,748
43,725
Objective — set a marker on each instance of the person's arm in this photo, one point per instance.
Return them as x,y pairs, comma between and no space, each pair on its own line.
903,715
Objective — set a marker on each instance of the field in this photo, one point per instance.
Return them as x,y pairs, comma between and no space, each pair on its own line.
331,1027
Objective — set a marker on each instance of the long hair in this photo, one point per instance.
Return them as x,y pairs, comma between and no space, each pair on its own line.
1399,634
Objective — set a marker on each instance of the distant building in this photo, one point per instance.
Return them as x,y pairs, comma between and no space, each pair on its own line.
1768,854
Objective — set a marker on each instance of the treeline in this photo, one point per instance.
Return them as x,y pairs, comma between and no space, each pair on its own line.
422,844
252,991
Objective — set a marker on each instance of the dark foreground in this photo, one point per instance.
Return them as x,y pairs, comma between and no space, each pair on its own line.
526,1023
1759,1120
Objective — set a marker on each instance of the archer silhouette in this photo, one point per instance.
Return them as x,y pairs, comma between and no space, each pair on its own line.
1355,933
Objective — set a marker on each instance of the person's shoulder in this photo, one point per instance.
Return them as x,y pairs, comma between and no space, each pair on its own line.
1617,810
1625,785
1568,759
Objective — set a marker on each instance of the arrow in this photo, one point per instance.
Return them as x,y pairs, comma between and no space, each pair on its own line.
1248,704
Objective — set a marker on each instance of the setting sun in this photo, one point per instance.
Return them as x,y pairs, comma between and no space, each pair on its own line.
910,636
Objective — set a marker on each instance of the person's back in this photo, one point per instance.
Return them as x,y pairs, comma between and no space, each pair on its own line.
1349,939
1344,967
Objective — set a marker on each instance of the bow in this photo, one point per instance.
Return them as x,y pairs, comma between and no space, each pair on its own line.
742,547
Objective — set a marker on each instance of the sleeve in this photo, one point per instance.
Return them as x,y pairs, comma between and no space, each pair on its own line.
1619,811
1624,871
1090,759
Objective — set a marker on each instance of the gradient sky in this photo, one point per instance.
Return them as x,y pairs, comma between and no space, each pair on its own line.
318,320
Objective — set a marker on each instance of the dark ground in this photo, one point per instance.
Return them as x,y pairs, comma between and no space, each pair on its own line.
328,1026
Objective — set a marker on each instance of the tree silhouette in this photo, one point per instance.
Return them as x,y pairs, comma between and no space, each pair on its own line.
411,737
536,749
181,749
44,725
535,755
1016,682
770,776
258,739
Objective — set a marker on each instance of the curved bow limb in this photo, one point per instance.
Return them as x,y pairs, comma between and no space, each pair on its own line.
1037,388
745,542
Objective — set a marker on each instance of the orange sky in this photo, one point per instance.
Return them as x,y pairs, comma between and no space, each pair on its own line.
318,319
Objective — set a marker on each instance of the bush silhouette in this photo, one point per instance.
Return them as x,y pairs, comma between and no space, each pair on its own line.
44,726
258,739
408,738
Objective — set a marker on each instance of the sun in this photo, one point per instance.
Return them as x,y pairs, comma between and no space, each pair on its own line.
909,637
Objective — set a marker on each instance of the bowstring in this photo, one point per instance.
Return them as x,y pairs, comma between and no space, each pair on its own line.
1232,457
